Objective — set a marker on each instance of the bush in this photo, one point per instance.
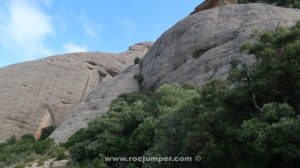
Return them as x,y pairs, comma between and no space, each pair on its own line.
41,147
136,60
27,136
46,132
24,150
21,165
102,74
12,140
58,153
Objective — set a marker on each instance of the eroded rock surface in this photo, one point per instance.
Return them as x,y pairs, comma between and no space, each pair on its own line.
208,4
201,46
43,92
97,103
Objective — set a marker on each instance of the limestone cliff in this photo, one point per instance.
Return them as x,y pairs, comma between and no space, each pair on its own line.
201,46
39,93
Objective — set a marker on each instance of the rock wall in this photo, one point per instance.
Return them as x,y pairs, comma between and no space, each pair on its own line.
40,93
97,103
201,46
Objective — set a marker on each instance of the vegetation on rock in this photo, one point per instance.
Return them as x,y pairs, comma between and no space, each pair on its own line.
254,124
27,150
137,60
250,120
23,152
47,131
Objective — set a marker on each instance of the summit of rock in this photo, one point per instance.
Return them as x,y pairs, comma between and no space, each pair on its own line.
143,46
201,46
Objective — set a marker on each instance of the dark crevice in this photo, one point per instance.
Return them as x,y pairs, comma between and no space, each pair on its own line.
91,63
13,119
90,68
200,52
112,72
65,102
51,113
85,88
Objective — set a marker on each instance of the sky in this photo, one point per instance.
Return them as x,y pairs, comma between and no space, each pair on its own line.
33,29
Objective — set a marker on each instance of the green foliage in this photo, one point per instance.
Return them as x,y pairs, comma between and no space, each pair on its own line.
108,134
21,165
102,74
47,131
128,128
137,60
27,136
24,150
276,76
12,140
57,152
41,147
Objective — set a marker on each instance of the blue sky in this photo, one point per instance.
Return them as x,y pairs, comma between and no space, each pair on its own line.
32,29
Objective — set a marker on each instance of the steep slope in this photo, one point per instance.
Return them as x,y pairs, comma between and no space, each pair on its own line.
39,93
97,103
202,45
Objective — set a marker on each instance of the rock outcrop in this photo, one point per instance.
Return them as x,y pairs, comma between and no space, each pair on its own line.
40,93
208,4
97,103
201,46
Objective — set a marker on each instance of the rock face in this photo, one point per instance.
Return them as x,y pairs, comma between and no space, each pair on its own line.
43,92
97,103
202,45
208,4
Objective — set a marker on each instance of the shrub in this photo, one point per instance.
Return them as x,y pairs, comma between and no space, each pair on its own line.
12,140
102,74
46,132
21,165
41,147
27,136
58,153
136,60
139,78
25,150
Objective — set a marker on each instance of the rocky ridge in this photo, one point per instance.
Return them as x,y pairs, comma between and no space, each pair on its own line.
43,92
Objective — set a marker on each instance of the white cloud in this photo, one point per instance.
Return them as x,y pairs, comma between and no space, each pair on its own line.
72,48
25,28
